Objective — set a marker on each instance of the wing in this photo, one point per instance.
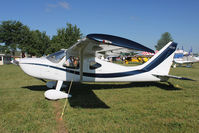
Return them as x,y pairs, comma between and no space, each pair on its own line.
184,62
102,43
94,44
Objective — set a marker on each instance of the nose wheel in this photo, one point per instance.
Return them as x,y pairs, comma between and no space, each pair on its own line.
56,94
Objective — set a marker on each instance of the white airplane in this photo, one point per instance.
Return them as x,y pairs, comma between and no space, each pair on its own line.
88,68
181,62
181,58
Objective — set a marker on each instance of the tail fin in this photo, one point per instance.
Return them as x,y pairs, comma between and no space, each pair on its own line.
161,62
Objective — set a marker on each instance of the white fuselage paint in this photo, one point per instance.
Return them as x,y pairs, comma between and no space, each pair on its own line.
45,69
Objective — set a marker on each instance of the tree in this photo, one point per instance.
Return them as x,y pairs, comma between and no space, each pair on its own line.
165,38
42,43
15,36
10,34
4,49
25,39
65,38
35,43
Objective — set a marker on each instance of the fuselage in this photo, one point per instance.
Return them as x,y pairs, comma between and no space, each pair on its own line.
107,72
63,66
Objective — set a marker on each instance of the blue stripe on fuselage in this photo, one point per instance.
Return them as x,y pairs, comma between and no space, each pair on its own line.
164,55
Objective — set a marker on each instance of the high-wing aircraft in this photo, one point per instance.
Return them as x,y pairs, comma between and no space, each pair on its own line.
184,58
183,61
79,63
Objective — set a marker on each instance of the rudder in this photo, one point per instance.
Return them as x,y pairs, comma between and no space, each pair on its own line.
161,62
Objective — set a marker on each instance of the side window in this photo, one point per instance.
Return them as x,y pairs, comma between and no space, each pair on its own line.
72,62
94,65
0,58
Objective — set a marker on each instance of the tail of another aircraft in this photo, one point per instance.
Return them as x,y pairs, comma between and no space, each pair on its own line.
161,62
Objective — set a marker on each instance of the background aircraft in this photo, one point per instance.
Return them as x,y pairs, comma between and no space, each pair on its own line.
182,57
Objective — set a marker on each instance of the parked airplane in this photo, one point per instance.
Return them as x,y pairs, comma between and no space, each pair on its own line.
184,58
80,64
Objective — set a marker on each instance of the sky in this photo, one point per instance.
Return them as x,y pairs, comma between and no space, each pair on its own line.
143,21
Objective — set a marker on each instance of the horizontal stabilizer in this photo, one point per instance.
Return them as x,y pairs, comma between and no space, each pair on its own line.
166,77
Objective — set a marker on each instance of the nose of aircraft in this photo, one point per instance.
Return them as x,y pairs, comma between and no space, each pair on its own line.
15,61
28,60
22,61
19,61
29,67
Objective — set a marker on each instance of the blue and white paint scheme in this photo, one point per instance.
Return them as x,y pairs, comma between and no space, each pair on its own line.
93,69
182,57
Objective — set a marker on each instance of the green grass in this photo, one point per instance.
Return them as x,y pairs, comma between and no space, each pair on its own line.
100,107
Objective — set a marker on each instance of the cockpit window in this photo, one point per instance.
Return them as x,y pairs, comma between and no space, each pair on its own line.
56,57
72,62
94,65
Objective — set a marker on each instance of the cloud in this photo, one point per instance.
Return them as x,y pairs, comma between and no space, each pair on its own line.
64,5
133,18
60,4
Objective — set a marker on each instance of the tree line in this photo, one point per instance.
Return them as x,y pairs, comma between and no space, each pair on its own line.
16,36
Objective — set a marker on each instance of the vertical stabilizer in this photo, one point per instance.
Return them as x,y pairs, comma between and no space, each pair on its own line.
161,62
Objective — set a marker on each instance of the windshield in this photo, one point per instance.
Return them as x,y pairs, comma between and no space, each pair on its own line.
56,57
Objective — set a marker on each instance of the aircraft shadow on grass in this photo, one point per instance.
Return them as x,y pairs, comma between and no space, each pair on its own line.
84,97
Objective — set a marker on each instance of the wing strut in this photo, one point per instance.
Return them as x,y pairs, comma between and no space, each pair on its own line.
81,64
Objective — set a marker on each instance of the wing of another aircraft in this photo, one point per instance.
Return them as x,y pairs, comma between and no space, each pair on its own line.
102,43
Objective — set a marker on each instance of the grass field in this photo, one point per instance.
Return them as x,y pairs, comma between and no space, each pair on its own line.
100,107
